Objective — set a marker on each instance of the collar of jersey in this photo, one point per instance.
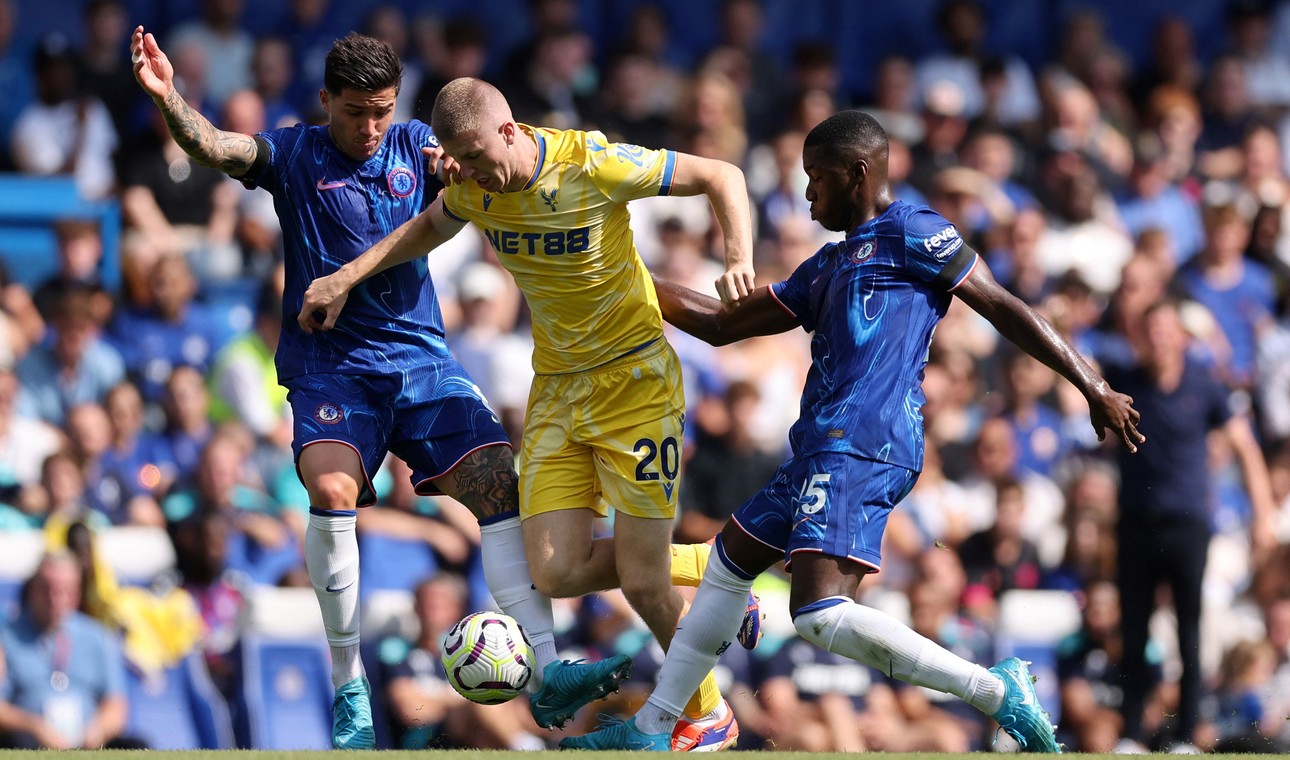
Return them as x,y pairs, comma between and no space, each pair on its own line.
541,146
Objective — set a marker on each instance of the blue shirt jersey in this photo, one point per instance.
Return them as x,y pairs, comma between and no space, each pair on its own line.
873,302
332,209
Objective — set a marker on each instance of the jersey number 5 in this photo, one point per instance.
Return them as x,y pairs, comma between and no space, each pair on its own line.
815,494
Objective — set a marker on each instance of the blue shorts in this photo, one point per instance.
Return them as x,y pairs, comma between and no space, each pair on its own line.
830,503
430,425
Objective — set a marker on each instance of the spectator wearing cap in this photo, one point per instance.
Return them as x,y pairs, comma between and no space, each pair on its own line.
496,358
65,130
945,126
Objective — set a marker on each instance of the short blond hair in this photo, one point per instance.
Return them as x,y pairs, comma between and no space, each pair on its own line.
464,105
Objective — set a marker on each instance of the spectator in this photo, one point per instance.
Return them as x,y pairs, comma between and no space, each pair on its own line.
136,468
272,70
1173,62
243,381
1090,671
80,255
201,544
106,72
65,678
1238,293
16,76
1152,201
554,87
1163,532
627,108
1083,233
186,404
896,100
223,42
76,367
424,710
66,130
726,469
458,48
945,126
1244,677
1228,115
1001,559
995,458
1267,72
260,545
25,443
1042,442
963,26
815,700
173,331
173,205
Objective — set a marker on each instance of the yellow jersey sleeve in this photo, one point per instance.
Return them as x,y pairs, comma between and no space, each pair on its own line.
625,172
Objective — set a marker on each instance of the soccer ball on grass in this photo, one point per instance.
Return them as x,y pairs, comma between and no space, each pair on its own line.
488,658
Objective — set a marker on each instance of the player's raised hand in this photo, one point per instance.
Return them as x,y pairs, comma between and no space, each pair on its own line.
152,68
323,303
736,283
436,159
1115,411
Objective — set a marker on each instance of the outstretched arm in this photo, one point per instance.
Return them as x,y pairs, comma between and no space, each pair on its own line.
1022,325
326,296
724,185
707,319
233,153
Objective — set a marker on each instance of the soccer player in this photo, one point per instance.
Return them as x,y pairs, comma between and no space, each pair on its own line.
383,378
606,408
872,302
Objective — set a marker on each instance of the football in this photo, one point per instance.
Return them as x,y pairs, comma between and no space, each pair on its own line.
488,658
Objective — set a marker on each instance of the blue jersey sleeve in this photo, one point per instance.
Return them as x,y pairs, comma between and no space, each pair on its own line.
282,143
934,251
794,294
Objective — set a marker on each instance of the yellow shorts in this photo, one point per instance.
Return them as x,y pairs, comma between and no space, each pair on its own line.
610,436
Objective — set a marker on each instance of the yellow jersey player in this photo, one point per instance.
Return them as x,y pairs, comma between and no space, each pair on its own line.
606,408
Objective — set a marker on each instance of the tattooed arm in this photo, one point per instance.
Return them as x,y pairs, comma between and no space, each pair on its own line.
233,153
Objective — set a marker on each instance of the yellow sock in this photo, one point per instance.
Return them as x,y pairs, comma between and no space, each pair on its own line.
688,563
705,700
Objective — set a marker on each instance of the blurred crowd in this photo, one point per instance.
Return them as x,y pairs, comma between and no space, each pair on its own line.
1096,182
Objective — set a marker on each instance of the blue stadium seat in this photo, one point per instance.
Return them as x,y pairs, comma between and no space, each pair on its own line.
393,563
29,207
287,689
178,708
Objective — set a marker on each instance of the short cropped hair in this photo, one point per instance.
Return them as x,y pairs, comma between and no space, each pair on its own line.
461,105
847,136
362,63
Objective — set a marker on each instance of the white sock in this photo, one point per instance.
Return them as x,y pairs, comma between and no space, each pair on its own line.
331,555
506,570
880,641
707,629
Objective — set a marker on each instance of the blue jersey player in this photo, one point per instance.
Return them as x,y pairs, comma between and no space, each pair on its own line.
872,303
382,379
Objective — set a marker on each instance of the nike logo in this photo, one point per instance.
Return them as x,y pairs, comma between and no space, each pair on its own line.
1026,699
488,201
332,590
325,185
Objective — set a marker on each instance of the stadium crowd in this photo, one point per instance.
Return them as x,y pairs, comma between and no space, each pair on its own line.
1100,177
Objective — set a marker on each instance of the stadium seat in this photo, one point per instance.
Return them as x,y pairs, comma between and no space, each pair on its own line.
136,553
286,671
29,207
389,612
393,563
20,552
1031,625
178,708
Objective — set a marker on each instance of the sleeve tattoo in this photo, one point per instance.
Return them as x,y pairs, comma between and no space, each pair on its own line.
231,152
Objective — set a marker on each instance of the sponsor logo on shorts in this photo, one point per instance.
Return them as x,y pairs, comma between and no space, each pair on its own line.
329,414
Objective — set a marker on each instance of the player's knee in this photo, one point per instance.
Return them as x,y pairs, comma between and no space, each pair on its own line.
333,491
554,579
646,590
